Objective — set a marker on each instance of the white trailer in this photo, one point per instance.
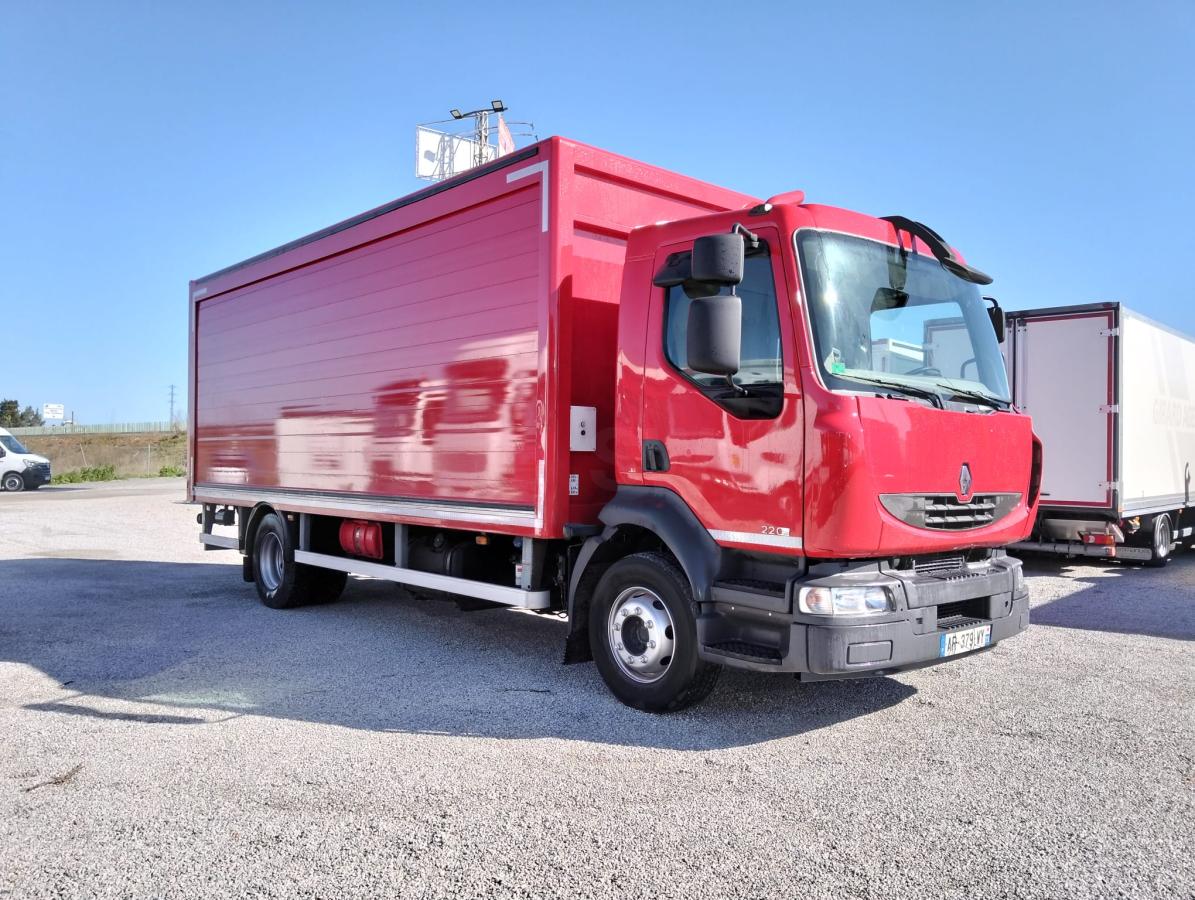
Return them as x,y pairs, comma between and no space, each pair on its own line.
1112,396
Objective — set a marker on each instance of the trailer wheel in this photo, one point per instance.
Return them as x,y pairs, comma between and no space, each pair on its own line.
1163,539
643,632
14,482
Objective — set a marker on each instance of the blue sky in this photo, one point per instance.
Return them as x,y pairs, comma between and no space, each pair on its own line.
145,144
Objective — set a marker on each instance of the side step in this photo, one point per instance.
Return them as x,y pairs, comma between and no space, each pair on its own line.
764,595
743,650
732,638
495,593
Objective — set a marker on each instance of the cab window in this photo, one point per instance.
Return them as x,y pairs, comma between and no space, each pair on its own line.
757,389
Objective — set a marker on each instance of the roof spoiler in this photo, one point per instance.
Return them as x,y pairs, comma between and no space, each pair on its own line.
938,247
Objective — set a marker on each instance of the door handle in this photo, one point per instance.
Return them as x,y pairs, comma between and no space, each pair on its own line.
655,457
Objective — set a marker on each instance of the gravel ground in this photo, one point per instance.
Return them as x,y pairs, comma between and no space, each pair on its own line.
163,734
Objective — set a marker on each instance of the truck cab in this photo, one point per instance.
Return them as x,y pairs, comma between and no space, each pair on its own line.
836,515
20,470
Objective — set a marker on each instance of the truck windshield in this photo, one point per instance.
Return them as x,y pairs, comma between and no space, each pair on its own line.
883,315
11,444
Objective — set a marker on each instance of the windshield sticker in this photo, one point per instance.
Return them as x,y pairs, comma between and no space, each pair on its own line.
834,362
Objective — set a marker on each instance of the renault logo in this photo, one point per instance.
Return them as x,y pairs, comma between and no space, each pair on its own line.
964,481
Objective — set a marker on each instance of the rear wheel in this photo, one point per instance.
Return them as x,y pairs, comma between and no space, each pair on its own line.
643,632
13,481
1161,541
281,582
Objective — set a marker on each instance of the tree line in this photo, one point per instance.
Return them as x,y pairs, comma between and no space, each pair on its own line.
12,416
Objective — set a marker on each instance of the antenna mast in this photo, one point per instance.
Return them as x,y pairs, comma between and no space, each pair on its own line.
441,153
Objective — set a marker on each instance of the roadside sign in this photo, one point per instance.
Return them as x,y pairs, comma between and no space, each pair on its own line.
53,411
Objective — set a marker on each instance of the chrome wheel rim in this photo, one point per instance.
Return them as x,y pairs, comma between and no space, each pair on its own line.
271,562
1162,537
13,483
641,634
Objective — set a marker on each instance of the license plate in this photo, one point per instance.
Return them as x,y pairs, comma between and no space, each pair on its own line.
964,641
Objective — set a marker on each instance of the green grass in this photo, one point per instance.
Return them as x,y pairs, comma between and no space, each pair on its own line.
108,473
90,473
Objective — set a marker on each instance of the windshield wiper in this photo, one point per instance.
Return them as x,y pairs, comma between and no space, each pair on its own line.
932,396
979,396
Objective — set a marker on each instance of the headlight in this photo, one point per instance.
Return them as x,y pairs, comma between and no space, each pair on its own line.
1018,580
845,601
29,463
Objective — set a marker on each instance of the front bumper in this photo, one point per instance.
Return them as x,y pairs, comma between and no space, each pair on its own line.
37,475
764,633
848,651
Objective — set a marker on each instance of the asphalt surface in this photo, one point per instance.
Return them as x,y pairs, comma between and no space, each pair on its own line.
163,734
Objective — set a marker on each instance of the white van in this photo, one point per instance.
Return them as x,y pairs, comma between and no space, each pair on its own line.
20,469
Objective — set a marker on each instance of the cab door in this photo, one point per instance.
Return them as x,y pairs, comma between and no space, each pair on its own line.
732,451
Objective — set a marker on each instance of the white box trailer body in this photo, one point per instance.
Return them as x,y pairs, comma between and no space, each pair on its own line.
1112,396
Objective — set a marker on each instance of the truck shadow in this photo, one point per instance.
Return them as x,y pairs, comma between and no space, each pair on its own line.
175,637
1116,597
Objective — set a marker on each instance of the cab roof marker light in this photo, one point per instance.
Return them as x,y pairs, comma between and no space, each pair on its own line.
797,197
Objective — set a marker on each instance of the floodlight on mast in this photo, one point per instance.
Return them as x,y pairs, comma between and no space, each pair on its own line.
442,153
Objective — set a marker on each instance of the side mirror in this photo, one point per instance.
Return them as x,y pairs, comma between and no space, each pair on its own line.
3,453
719,259
715,331
996,314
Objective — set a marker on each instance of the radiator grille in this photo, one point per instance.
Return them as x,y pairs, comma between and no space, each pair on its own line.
944,511
947,564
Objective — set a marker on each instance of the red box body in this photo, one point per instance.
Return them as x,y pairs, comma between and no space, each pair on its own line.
418,363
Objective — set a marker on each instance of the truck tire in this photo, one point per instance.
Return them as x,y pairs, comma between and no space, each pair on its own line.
281,582
643,632
13,481
1161,541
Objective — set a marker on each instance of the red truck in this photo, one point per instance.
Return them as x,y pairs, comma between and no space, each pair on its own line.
711,429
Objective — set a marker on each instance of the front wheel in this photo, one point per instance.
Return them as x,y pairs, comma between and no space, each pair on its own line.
643,631
13,481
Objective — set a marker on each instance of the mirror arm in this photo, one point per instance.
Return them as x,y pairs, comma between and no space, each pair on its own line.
751,238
